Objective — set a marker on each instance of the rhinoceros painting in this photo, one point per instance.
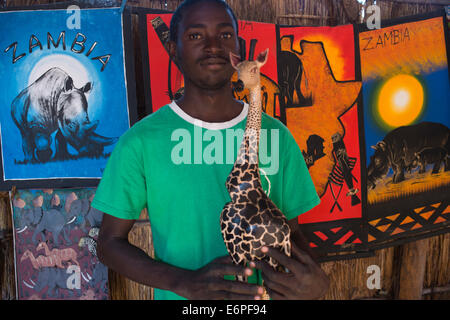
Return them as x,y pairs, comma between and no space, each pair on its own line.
405,148
52,108
406,129
67,95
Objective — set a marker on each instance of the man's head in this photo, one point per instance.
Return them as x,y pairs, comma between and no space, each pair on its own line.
202,35
186,4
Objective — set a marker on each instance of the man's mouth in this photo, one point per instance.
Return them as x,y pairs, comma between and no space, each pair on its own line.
214,63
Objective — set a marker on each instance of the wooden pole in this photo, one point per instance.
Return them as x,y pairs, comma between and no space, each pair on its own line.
7,279
412,270
421,2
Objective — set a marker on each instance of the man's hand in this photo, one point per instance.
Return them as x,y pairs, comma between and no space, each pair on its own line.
304,280
208,283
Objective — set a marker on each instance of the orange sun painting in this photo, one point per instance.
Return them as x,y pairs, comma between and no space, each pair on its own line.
400,101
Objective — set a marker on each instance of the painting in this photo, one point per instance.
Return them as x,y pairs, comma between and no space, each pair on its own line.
404,68
326,84
164,81
295,93
63,74
319,91
55,234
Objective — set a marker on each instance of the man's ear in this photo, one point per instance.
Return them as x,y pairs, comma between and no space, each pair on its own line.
171,48
235,60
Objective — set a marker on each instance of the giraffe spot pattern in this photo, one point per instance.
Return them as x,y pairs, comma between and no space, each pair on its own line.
251,220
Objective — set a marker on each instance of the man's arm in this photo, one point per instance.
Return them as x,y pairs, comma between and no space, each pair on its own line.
116,252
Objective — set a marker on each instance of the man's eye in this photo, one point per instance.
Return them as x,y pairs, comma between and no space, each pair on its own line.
195,36
227,35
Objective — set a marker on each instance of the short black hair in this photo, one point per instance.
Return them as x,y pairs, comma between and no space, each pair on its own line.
178,15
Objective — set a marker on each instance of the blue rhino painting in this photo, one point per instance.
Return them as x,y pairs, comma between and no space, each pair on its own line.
66,95
52,104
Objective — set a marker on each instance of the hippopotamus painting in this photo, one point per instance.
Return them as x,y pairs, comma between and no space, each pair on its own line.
400,148
53,104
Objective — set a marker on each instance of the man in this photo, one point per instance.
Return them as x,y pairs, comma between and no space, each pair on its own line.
148,168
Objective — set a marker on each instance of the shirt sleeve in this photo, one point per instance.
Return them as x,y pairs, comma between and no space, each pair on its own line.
299,193
122,189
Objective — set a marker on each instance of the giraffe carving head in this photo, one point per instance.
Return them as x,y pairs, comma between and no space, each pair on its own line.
249,71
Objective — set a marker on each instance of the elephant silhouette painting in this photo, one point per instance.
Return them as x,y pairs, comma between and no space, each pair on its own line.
55,238
51,115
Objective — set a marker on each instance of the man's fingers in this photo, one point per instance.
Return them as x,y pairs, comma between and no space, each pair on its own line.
230,270
300,255
275,295
280,257
224,266
279,283
275,286
225,295
269,272
236,287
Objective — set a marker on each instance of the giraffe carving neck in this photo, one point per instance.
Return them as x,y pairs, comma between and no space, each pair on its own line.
246,166
250,143
254,112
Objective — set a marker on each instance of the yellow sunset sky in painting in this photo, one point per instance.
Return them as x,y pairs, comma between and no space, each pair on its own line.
403,49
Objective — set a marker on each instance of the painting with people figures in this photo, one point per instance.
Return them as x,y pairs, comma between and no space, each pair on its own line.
293,92
367,108
319,93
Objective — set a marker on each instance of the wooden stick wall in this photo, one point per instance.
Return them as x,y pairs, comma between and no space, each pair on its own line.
417,270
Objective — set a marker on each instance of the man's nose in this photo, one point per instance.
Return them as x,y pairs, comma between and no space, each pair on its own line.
213,44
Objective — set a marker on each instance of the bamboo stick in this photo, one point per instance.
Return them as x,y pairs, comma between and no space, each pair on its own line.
303,16
412,270
348,277
431,2
434,290
7,279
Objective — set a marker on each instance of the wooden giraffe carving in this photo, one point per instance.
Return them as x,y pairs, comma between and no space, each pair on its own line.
251,220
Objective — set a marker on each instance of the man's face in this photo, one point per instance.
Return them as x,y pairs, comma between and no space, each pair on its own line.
206,35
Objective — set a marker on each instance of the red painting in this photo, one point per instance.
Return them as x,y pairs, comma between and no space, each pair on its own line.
319,94
309,84
166,80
